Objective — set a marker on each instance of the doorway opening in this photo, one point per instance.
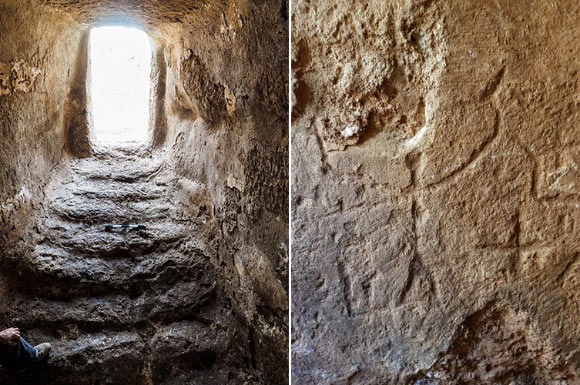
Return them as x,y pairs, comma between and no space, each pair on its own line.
120,70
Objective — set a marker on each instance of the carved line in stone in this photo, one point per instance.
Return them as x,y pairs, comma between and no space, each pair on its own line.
345,287
568,267
572,198
489,92
342,210
416,265
475,156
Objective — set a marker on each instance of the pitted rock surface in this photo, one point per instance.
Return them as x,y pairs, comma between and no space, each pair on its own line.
219,141
136,306
435,201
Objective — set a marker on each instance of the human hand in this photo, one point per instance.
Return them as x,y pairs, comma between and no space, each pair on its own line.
10,336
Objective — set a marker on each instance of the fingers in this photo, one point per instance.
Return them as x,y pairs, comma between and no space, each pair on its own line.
10,336
14,336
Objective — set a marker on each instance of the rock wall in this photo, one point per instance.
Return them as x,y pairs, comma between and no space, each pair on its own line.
227,127
435,192
218,155
31,135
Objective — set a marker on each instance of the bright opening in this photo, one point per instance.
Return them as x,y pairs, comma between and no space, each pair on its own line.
120,83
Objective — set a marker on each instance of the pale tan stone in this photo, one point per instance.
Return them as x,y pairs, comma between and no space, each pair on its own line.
435,192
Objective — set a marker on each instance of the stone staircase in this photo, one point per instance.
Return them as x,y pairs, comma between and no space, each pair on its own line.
123,306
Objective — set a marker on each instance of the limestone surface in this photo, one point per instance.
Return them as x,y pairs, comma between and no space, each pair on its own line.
113,301
435,201
201,295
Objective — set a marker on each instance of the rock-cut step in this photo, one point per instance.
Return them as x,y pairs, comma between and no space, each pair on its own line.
116,357
95,241
130,356
114,190
122,169
83,209
55,267
112,302
165,302
59,266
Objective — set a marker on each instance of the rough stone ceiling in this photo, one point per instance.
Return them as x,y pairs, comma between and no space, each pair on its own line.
149,13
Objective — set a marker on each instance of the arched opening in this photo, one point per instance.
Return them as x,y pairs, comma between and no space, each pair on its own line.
120,69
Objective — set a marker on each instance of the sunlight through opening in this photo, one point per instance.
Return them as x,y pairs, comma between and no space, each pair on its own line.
120,83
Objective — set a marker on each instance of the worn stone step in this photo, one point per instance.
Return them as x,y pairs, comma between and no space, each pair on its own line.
116,357
95,241
58,264
126,170
112,363
165,302
132,356
115,190
179,272
193,342
67,315
83,209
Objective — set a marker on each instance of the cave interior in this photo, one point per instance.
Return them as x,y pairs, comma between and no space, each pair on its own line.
200,294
